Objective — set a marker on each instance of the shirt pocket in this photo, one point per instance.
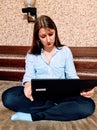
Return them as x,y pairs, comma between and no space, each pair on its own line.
40,70
59,70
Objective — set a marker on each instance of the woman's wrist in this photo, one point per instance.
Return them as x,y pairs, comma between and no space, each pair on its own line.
27,83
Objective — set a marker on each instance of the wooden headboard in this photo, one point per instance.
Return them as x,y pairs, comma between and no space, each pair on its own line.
12,62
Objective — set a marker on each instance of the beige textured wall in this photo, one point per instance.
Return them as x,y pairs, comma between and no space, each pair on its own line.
76,21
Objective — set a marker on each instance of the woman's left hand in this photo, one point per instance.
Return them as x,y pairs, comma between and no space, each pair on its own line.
87,94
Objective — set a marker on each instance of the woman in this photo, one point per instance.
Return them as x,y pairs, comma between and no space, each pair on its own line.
47,58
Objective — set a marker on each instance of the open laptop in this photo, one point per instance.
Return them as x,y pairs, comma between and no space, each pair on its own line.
58,89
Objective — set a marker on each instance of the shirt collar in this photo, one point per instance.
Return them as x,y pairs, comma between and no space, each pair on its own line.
56,50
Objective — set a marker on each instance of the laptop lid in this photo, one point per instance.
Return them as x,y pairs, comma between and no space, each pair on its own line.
58,89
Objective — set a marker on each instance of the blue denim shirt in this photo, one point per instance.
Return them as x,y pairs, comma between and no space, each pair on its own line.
61,66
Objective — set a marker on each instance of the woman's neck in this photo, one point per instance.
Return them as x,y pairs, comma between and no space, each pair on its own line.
50,49
48,53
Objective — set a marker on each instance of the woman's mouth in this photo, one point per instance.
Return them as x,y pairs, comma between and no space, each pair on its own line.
48,44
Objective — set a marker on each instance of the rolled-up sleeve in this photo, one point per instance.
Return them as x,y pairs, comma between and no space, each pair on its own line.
29,68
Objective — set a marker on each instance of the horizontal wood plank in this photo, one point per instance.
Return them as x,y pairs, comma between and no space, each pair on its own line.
86,65
11,76
87,75
12,63
84,51
18,50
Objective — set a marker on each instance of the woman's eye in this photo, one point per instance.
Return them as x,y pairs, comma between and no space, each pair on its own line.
43,36
50,34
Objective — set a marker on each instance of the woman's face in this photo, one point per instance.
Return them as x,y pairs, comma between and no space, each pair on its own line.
47,37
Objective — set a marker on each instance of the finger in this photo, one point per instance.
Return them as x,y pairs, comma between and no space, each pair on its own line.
31,98
88,95
83,93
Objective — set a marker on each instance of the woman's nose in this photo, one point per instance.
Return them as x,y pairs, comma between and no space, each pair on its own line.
48,39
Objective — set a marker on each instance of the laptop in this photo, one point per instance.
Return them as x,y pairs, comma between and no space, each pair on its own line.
58,89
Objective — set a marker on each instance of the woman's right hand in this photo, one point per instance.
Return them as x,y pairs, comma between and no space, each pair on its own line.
28,90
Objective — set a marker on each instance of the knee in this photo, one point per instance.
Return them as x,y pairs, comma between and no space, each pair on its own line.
88,108
6,99
91,107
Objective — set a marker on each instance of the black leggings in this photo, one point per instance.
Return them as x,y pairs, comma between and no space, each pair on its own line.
68,109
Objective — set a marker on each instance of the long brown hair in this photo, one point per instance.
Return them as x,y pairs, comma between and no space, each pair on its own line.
43,22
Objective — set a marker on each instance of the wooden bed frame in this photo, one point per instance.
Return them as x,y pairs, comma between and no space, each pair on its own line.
12,62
